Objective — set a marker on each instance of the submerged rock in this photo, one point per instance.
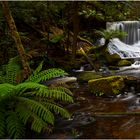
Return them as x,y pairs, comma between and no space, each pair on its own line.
111,85
88,75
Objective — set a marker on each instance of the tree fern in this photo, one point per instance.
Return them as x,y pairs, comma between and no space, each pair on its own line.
29,101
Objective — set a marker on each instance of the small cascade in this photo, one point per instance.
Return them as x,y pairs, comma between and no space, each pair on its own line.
129,47
131,27
123,50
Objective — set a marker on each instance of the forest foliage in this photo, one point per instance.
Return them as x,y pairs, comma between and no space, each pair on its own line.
53,32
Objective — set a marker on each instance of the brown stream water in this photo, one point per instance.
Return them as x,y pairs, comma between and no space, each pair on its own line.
112,122
115,118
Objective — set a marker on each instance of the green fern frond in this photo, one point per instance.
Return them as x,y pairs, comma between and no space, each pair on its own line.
55,93
38,69
66,90
10,71
6,90
59,95
2,122
37,124
57,108
39,109
27,115
21,88
14,126
46,75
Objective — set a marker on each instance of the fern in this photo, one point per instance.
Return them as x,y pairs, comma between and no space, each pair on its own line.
39,109
29,102
26,115
2,122
11,70
58,109
14,126
46,75
38,69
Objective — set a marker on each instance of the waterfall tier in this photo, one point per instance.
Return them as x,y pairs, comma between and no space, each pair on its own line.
129,47
125,51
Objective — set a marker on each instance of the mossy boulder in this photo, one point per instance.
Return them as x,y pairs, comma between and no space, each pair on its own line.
86,76
111,85
111,58
124,63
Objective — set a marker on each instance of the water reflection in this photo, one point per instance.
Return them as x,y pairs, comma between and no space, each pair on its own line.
115,125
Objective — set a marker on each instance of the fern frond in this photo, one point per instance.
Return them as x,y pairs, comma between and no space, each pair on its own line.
27,115
38,69
14,126
58,94
6,90
61,93
21,88
10,71
13,68
39,109
57,109
66,90
46,75
2,122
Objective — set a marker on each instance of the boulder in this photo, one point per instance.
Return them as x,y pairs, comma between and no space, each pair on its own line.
88,75
124,63
68,82
111,58
111,85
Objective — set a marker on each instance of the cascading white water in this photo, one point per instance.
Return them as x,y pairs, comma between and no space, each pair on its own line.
129,47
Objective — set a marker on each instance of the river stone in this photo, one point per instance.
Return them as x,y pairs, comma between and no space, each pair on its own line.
66,81
111,58
88,75
124,63
111,85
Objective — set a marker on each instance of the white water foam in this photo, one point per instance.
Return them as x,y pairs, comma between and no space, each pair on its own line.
129,47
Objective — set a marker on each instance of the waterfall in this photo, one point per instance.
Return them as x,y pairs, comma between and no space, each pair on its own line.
129,47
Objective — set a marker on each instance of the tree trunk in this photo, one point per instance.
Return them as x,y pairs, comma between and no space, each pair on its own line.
75,28
16,37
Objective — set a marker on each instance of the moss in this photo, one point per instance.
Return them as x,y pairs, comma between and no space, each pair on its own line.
86,76
108,86
124,63
111,58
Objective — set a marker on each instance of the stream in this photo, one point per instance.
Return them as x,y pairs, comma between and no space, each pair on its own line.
101,117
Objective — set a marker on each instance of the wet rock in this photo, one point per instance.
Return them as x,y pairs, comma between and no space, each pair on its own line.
124,63
60,81
111,58
111,85
88,75
78,119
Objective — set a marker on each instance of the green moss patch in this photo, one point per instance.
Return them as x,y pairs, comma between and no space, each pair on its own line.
86,76
124,63
111,85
